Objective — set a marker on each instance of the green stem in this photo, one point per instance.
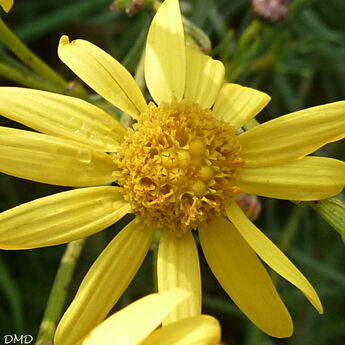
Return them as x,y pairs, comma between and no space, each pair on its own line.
28,57
332,210
248,35
35,63
261,63
8,59
58,292
197,34
244,49
25,78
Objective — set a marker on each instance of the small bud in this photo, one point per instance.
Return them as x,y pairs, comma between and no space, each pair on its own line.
250,204
271,11
132,7
333,212
71,86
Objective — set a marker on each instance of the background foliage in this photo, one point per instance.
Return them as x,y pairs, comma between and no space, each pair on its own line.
299,62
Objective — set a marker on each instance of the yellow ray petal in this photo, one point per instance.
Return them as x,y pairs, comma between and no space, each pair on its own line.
178,267
103,74
310,178
271,254
204,77
104,283
244,277
237,104
197,330
6,5
61,217
293,136
61,116
43,158
135,322
165,60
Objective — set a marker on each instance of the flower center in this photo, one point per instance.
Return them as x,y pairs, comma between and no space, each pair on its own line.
178,165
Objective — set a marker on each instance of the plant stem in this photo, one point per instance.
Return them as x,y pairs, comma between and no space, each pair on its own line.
35,63
58,292
28,57
201,38
26,78
247,45
332,210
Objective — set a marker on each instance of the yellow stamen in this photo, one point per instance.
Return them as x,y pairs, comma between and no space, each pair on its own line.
238,161
175,165
233,189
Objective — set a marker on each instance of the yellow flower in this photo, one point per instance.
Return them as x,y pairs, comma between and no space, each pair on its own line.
6,5
180,168
137,323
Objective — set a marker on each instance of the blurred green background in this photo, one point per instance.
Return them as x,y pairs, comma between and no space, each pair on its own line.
299,62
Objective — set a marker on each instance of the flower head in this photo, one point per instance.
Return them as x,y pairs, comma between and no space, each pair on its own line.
178,169
178,166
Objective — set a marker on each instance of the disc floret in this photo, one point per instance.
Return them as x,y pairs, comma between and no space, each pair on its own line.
178,165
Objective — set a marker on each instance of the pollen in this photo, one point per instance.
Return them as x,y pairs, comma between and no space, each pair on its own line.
178,166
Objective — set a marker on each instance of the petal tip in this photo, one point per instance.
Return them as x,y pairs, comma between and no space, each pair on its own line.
7,5
265,99
220,65
282,330
319,308
287,333
64,40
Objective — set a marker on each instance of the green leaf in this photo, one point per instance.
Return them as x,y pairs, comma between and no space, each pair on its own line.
333,212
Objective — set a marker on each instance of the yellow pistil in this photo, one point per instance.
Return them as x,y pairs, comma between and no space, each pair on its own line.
178,166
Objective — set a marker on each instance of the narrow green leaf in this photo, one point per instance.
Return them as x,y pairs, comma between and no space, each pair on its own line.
333,212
